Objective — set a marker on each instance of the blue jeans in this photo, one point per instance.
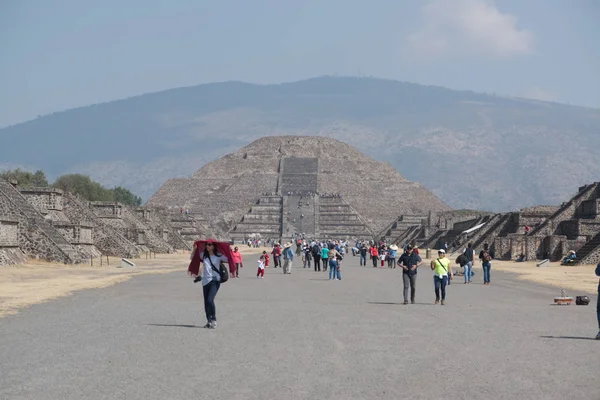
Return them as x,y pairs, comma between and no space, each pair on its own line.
210,291
363,260
440,283
486,271
333,270
468,271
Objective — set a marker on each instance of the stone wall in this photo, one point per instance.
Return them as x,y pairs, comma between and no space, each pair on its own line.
44,199
9,232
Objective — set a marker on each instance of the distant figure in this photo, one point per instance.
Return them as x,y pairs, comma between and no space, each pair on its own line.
598,303
442,273
363,255
410,262
527,229
486,257
261,268
570,258
469,253
374,253
288,257
237,259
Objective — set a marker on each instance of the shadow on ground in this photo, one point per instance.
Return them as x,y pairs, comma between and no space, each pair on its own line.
568,337
175,325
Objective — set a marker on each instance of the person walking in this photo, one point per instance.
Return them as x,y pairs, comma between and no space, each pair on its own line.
442,273
325,257
486,257
335,259
276,255
391,257
288,257
410,262
204,267
374,255
261,268
598,301
469,253
267,259
307,255
363,255
237,259
316,253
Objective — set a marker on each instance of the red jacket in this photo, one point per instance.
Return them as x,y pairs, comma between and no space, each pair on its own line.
267,258
237,257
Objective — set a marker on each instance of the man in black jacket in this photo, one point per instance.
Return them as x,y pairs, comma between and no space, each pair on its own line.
410,262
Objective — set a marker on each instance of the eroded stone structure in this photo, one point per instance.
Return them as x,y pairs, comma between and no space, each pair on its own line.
230,191
49,224
36,234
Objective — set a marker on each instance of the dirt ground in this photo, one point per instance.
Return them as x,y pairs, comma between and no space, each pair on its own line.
37,282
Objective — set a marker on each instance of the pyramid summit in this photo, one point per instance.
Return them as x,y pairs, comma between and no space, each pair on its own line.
279,185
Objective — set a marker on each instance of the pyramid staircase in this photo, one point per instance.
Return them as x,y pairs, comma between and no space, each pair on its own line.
65,251
547,227
590,249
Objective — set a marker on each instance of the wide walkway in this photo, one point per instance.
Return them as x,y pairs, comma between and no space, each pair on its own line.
301,336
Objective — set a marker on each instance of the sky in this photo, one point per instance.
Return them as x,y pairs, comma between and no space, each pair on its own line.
63,54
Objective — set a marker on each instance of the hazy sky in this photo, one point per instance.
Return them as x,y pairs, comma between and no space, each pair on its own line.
62,54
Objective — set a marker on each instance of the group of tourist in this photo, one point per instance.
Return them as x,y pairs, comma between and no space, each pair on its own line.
205,260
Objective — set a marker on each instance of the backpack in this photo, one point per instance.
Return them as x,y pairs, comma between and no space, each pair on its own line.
222,271
582,300
486,256
461,259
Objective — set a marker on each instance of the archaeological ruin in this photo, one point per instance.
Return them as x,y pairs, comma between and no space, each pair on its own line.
49,224
279,187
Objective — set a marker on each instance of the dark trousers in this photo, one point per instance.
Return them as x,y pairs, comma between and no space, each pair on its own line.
374,258
440,283
237,269
210,291
412,281
325,263
317,263
598,310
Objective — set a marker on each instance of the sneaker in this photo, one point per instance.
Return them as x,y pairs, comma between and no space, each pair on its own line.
207,325
213,325
262,277
598,336
443,302
436,302
412,302
405,302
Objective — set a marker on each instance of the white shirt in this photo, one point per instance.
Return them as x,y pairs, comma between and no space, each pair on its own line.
208,275
261,264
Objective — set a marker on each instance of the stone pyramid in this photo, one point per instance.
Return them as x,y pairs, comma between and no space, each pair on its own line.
225,190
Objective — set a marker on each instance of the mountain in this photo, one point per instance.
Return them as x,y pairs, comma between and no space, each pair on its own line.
472,150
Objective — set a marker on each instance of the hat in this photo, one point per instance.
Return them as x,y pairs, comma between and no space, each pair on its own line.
394,247
572,251
442,251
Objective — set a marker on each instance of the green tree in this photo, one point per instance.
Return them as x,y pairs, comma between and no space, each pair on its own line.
26,178
91,190
84,186
125,196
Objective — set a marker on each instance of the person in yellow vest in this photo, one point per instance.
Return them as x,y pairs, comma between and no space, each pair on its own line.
442,273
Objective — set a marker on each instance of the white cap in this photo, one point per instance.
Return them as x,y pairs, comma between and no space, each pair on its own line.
441,251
